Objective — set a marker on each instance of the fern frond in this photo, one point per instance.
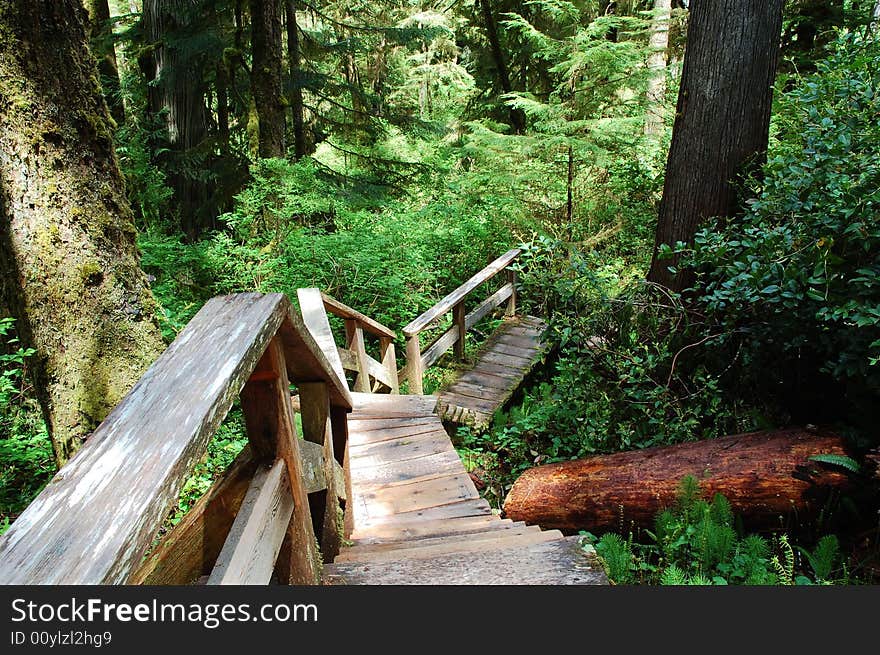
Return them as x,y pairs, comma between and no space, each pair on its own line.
837,460
673,576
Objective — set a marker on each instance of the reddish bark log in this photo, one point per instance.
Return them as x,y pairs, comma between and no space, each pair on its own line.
764,475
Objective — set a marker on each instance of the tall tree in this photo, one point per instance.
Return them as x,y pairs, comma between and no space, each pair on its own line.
102,46
266,75
176,96
517,116
659,42
296,92
722,120
70,274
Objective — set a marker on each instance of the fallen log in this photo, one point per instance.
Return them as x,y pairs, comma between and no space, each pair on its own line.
764,475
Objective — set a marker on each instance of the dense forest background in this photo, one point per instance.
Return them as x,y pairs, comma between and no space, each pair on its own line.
386,151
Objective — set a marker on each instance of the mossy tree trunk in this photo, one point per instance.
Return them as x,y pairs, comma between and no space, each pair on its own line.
71,273
102,46
266,75
296,94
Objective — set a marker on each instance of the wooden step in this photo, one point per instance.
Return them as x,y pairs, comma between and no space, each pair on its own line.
431,493
489,532
429,528
445,545
478,507
557,562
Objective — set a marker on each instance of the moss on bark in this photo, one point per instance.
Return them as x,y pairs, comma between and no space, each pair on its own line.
67,236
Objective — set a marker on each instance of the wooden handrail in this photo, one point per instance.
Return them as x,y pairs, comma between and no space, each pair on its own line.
416,360
451,300
99,514
344,311
372,375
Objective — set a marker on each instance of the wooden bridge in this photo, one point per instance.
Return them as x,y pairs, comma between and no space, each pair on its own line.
371,491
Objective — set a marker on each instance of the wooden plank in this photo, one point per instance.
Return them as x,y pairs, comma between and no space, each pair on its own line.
477,507
418,495
446,460
389,363
453,298
488,380
521,364
485,367
440,345
491,394
558,562
430,546
488,305
253,543
400,449
404,432
344,311
374,369
95,519
360,425
315,320
528,354
387,405
356,343
469,402
527,343
191,547
424,529
477,543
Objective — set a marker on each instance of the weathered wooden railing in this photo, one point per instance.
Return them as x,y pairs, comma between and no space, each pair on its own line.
372,375
99,516
416,359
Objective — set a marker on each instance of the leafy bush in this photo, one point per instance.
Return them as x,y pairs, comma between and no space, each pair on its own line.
26,462
796,281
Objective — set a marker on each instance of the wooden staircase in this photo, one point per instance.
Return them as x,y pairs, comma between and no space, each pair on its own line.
418,519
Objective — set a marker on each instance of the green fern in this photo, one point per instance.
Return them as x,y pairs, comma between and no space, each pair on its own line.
824,556
785,567
673,576
837,460
616,555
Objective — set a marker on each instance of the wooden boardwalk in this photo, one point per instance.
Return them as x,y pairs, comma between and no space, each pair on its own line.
418,519
501,365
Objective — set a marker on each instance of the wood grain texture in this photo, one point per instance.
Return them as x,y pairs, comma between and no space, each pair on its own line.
344,311
111,498
253,542
191,547
311,305
764,475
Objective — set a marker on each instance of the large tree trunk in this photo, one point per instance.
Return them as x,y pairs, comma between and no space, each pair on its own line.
296,94
102,46
722,120
658,43
765,476
67,241
177,92
517,117
266,75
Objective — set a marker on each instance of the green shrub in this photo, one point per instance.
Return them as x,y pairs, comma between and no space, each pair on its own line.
796,281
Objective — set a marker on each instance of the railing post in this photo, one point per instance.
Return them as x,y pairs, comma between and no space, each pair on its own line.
389,361
511,304
458,318
355,334
414,364
270,425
